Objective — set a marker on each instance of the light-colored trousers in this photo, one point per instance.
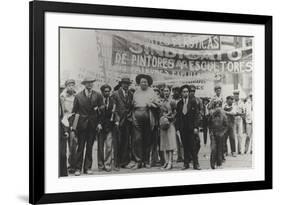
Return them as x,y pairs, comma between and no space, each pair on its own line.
105,150
238,129
249,139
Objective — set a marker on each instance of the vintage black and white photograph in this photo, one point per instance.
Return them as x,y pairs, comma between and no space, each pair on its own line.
143,101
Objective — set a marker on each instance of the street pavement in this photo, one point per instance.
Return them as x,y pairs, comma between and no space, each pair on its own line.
243,161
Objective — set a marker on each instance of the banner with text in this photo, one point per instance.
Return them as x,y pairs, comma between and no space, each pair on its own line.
188,58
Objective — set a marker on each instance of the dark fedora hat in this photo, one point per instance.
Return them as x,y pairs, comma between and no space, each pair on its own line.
147,77
125,80
88,80
184,86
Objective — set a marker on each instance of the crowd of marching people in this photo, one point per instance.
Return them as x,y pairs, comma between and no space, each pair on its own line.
147,126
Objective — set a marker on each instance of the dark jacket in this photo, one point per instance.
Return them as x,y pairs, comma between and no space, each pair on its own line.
192,115
87,108
108,116
218,123
123,105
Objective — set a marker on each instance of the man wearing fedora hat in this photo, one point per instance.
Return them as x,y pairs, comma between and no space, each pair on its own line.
86,105
122,98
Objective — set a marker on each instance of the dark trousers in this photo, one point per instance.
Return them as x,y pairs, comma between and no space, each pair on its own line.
231,136
205,129
190,144
155,155
141,143
216,150
179,149
124,143
72,144
62,154
105,150
86,139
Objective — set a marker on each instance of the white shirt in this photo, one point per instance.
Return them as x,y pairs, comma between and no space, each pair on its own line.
144,97
238,107
248,111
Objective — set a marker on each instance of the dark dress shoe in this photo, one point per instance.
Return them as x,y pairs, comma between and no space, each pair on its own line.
186,166
197,167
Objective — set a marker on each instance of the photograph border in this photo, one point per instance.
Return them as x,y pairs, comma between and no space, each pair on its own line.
37,11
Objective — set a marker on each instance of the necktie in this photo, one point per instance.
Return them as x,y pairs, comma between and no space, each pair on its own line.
89,94
106,103
184,109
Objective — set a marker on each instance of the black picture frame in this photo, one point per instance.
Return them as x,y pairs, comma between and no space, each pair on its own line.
37,11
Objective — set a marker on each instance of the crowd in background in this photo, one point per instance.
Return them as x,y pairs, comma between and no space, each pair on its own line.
145,127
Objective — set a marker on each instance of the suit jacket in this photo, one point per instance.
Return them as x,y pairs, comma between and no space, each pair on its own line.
87,108
124,105
192,115
106,113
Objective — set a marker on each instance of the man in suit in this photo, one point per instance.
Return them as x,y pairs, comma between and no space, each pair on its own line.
86,105
109,119
123,99
199,103
187,122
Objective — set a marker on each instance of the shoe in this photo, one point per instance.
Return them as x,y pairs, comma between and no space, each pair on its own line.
107,169
77,173
129,166
185,167
71,171
101,167
197,167
239,153
169,166
89,172
165,165
147,166
136,166
116,169
251,152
